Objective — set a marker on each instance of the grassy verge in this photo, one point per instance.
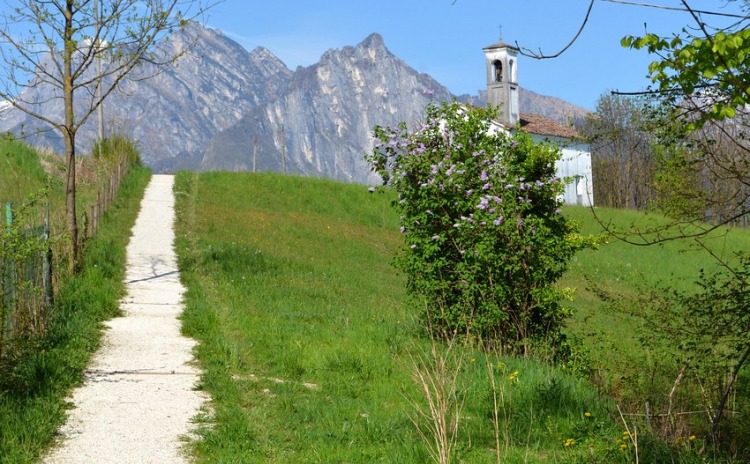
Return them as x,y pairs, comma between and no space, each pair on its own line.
22,173
310,345
613,335
34,386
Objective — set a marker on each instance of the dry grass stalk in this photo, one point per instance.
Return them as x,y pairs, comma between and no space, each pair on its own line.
436,374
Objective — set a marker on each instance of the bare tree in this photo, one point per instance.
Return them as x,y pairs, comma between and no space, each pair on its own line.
83,49
622,155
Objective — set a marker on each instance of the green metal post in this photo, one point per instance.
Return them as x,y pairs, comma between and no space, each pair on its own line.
9,214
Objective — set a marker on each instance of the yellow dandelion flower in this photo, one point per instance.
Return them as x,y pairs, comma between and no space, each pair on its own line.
569,442
513,376
692,438
587,414
623,447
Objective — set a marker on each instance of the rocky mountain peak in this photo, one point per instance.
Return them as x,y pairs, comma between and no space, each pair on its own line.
222,107
373,40
322,125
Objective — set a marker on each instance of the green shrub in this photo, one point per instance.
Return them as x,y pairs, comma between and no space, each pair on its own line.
484,237
115,149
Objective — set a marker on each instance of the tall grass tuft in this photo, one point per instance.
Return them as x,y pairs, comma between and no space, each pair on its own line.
437,372
116,149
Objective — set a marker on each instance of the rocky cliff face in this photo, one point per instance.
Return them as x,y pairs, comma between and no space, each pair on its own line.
173,114
322,125
222,107
210,89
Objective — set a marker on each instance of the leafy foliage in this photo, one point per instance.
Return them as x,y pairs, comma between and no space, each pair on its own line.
710,66
23,255
715,331
484,236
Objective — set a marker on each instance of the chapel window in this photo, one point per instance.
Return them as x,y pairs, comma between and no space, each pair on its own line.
498,65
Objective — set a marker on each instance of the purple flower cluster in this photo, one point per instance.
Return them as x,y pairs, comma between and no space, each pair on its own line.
484,202
395,142
449,173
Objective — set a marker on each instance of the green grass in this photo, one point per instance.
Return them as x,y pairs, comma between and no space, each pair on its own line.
308,339
34,386
21,172
24,182
613,334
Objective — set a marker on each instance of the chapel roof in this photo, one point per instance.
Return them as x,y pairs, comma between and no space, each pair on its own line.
501,44
541,125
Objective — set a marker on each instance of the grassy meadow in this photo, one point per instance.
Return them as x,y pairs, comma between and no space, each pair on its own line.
311,346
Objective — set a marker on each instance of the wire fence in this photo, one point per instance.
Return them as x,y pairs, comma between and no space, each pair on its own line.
104,197
25,281
27,269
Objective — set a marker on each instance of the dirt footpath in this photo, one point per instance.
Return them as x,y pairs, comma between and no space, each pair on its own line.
138,398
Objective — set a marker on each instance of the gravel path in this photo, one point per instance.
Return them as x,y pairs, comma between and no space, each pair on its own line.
138,398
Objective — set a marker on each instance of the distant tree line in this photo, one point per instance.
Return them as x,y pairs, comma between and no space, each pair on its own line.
645,158
622,153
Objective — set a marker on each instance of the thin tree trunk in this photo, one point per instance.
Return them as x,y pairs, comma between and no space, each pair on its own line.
669,424
69,134
70,195
722,404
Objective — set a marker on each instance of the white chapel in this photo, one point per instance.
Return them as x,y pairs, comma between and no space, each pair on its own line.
502,92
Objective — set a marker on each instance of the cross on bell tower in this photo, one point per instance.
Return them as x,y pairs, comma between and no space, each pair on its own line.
502,80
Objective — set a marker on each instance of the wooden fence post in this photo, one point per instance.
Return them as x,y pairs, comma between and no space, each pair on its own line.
10,277
49,294
6,278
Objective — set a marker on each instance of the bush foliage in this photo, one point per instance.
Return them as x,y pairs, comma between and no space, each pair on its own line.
484,237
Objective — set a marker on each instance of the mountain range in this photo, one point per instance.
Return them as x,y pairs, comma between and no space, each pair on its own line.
222,107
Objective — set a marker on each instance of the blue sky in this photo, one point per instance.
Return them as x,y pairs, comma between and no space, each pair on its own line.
445,38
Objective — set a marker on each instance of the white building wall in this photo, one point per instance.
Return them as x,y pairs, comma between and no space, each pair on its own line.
575,168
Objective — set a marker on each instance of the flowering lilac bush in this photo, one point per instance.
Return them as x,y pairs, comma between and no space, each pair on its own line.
484,236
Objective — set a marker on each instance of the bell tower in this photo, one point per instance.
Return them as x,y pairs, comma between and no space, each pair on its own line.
502,81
